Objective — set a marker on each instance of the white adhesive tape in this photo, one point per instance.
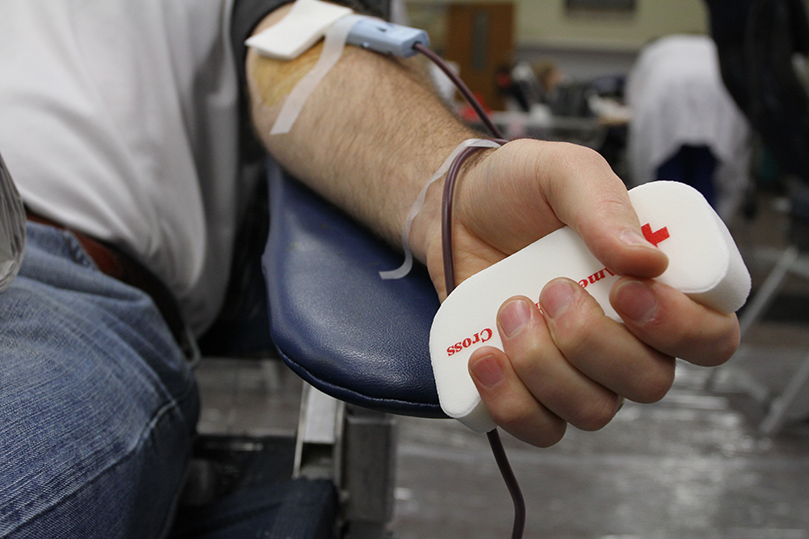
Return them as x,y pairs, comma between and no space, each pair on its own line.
332,50
407,265
302,27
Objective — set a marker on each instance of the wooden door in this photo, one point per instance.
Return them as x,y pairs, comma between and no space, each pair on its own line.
480,39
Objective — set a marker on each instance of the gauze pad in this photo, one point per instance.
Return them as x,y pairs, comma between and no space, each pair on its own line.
302,27
704,262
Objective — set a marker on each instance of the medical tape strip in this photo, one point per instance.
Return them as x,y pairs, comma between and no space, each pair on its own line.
332,50
304,25
407,265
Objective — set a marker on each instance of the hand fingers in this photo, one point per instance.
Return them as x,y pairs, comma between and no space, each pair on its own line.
542,186
537,389
552,379
602,349
509,402
588,196
669,321
568,363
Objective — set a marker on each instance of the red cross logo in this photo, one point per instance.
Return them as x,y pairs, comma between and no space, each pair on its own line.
654,237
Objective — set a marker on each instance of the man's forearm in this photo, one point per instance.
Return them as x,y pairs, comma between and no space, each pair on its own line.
369,137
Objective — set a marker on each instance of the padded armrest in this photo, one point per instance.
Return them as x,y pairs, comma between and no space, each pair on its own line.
335,322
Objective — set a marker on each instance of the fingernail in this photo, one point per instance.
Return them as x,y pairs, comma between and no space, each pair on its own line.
633,237
487,371
556,297
513,316
636,301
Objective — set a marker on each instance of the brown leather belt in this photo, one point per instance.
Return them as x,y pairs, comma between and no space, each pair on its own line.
118,265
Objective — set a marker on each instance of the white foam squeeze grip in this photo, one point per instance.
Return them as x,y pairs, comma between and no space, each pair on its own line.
704,263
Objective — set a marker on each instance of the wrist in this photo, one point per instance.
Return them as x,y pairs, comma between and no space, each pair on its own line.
425,232
427,238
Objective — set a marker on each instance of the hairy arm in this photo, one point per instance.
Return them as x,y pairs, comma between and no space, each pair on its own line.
368,139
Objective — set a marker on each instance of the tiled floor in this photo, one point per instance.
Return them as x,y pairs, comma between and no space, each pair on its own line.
692,466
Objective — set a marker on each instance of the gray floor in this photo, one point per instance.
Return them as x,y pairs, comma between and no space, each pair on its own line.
693,465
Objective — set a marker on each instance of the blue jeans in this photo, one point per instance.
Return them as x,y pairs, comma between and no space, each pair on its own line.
97,403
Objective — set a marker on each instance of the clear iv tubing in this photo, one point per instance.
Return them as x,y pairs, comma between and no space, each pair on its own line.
493,436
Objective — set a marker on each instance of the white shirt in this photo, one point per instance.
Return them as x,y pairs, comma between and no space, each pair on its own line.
677,97
119,118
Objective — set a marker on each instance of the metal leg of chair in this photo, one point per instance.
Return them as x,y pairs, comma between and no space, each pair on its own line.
779,407
356,449
271,369
318,447
769,289
369,472
789,262
762,300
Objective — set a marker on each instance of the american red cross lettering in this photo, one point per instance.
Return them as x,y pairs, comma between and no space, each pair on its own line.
654,237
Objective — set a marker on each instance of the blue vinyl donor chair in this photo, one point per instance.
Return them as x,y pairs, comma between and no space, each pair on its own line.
360,344
361,340
335,322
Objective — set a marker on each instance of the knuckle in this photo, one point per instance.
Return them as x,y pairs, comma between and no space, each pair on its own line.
655,384
724,353
707,344
548,437
655,389
514,418
725,348
527,426
595,414
531,360
581,327
576,153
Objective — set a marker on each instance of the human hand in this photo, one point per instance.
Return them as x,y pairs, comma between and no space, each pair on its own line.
569,363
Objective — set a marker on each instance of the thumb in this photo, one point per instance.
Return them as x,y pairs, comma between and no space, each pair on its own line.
623,247
590,198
